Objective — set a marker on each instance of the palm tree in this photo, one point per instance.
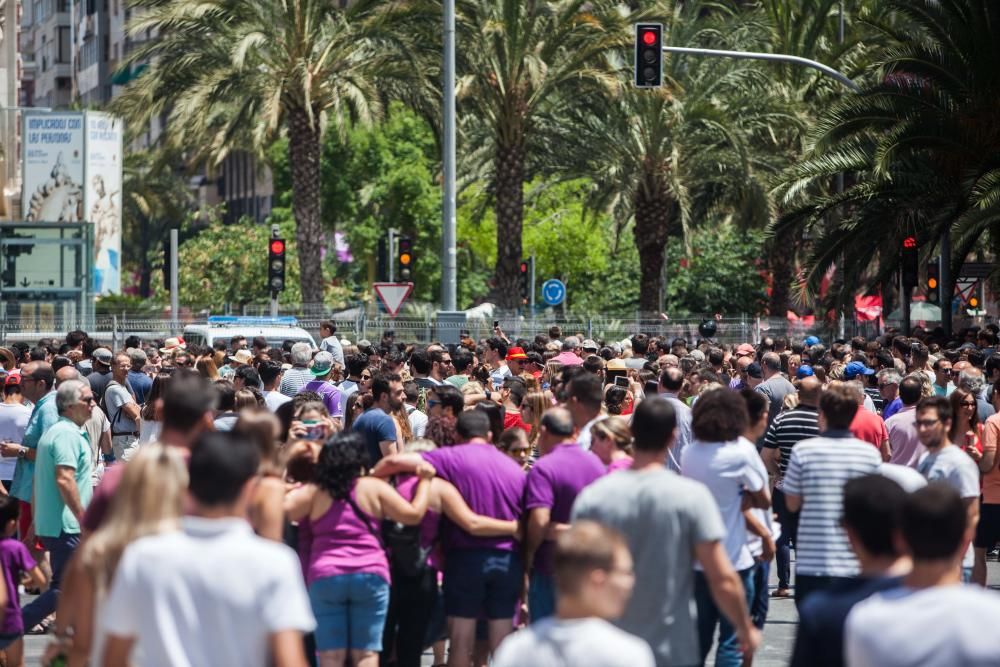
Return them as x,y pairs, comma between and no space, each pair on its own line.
235,74
519,63
692,151
156,197
923,142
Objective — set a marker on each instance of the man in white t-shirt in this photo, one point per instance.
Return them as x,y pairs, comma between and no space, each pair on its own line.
270,376
594,579
331,344
932,620
944,462
729,466
212,593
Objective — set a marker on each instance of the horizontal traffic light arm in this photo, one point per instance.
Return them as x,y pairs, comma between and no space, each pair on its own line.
778,57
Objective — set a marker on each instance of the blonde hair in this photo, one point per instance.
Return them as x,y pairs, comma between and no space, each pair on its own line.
618,430
539,404
149,501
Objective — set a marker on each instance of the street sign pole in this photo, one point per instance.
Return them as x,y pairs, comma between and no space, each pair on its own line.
531,282
174,296
449,260
947,285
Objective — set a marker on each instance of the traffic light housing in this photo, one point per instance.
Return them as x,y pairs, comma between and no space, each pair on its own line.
648,55
404,259
276,265
933,281
525,280
910,262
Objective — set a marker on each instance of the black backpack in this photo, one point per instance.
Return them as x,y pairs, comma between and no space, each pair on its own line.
401,543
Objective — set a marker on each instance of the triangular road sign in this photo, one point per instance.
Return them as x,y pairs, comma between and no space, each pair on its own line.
392,295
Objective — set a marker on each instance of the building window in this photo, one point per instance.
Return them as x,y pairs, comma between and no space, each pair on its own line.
63,82
64,54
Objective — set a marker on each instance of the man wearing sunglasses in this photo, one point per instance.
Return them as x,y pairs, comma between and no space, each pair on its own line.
62,488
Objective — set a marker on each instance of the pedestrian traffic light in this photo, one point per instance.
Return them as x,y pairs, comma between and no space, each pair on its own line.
525,279
933,281
648,55
404,259
276,265
910,262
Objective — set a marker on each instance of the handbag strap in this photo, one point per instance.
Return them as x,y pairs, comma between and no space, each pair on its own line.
365,520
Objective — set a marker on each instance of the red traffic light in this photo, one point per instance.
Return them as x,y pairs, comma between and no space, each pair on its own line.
649,37
277,246
524,267
910,242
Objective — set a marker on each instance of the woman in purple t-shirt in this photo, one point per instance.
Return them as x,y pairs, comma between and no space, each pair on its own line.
611,441
347,571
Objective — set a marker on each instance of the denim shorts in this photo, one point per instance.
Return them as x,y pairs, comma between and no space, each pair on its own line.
350,611
482,583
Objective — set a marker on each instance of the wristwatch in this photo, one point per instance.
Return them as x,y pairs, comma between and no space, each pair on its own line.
21,452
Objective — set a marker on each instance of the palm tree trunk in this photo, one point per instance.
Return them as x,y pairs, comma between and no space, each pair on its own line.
653,212
304,153
510,218
781,258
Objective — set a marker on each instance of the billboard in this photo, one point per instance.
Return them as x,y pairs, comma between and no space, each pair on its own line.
72,173
102,201
53,167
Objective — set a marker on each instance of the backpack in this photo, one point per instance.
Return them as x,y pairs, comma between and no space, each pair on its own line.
400,542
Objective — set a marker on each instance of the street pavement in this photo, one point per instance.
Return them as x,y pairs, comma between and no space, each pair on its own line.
775,651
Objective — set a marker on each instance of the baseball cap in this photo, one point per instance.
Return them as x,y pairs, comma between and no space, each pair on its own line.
12,379
744,349
856,368
754,370
804,371
810,341
589,344
102,355
516,354
322,363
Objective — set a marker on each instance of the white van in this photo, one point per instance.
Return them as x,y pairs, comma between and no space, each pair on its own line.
275,330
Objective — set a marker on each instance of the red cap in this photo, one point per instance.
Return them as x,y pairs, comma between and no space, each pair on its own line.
516,354
13,379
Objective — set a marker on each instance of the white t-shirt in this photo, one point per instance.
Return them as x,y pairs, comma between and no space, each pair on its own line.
945,626
727,468
274,400
13,420
585,437
332,345
952,465
566,643
418,421
211,594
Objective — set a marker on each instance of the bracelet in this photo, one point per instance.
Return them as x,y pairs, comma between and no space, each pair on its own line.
66,634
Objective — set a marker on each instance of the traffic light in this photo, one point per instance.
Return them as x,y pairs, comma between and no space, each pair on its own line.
648,55
910,262
404,259
933,281
525,279
276,265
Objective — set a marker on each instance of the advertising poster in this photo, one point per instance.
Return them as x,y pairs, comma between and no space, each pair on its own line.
53,167
102,203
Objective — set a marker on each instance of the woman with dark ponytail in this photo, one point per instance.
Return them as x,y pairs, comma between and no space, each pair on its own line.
347,570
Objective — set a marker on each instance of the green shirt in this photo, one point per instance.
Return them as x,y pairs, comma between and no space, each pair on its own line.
65,444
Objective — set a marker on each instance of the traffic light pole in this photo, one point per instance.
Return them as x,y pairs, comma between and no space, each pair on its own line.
449,267
945,284
174,296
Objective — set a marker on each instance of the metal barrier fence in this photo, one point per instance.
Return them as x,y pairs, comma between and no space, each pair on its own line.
114,329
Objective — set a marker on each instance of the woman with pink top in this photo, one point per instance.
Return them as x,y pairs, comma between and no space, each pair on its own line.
347,571
611,441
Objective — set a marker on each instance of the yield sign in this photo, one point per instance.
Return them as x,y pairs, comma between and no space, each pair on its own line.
392,295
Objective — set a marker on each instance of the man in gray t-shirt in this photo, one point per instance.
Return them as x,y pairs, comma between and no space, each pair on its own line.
774,387
669,523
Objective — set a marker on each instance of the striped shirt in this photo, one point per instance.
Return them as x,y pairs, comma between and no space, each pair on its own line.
787,429
818,469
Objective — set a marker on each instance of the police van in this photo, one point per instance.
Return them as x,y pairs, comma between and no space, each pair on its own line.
275,330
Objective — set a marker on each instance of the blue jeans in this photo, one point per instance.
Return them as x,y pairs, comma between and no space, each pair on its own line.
789,524
541,596
761,599
60,551
350,611
728,653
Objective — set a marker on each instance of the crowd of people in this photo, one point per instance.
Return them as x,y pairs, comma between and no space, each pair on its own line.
553,500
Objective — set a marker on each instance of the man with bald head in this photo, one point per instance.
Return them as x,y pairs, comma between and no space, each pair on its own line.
787,429
775,386
98,428
671,382
554,482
